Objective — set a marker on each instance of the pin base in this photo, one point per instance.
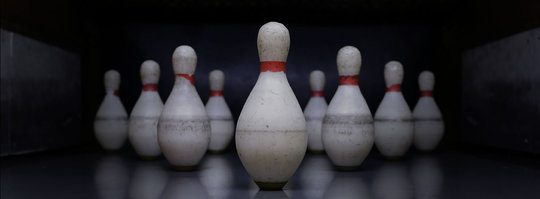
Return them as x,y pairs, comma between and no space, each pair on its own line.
271,185
347,168
184,168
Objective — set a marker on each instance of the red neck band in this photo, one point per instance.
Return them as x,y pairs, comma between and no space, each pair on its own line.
348,80
272,66
394,88
426,94
188,77
150,87
216,93
317,94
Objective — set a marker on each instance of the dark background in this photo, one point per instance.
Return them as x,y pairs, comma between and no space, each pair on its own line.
422,34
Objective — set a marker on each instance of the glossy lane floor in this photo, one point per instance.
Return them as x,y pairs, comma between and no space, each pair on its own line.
123,175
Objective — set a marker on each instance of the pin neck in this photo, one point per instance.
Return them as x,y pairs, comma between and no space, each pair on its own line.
150,87
426,93
188,77
215,93
394,88
272,66
317,94
348,80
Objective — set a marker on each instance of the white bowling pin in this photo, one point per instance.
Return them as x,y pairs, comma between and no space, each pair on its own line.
347,130
145,115
111,123
271,137
184,127
315,110
221,121
428,123
393,118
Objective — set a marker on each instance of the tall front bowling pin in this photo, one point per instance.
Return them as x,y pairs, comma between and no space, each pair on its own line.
393,119
315,110
271,136
184,127
221,121
347,130
145,115
428,123
111,123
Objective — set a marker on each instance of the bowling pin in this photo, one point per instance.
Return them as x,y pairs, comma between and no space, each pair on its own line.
393,118
145,115
111,123
271,137
315,110
221,121
184,127
347,130
428,123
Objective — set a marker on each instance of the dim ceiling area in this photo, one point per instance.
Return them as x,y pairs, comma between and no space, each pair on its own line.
463,23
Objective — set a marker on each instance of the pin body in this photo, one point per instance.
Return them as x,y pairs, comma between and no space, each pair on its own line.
347,130
221,120
111,122
315,111
184,127
271,137
428,123
145,115
393,118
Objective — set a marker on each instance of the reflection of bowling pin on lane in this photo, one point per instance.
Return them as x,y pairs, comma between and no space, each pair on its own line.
428,123
145,115
392,181
182,186
111,123
315,110
345,186
216,176
221,121
271,195
316,173
347,130
271,136
184,127
393,118
111,178
427,178
148,181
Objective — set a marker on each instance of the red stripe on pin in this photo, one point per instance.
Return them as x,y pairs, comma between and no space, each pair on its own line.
216,93
426,94
272,66
348,80
317,94
188,77
150,87
115,93
394,88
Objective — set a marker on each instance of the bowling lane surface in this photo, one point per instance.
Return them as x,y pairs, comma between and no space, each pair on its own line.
448,174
